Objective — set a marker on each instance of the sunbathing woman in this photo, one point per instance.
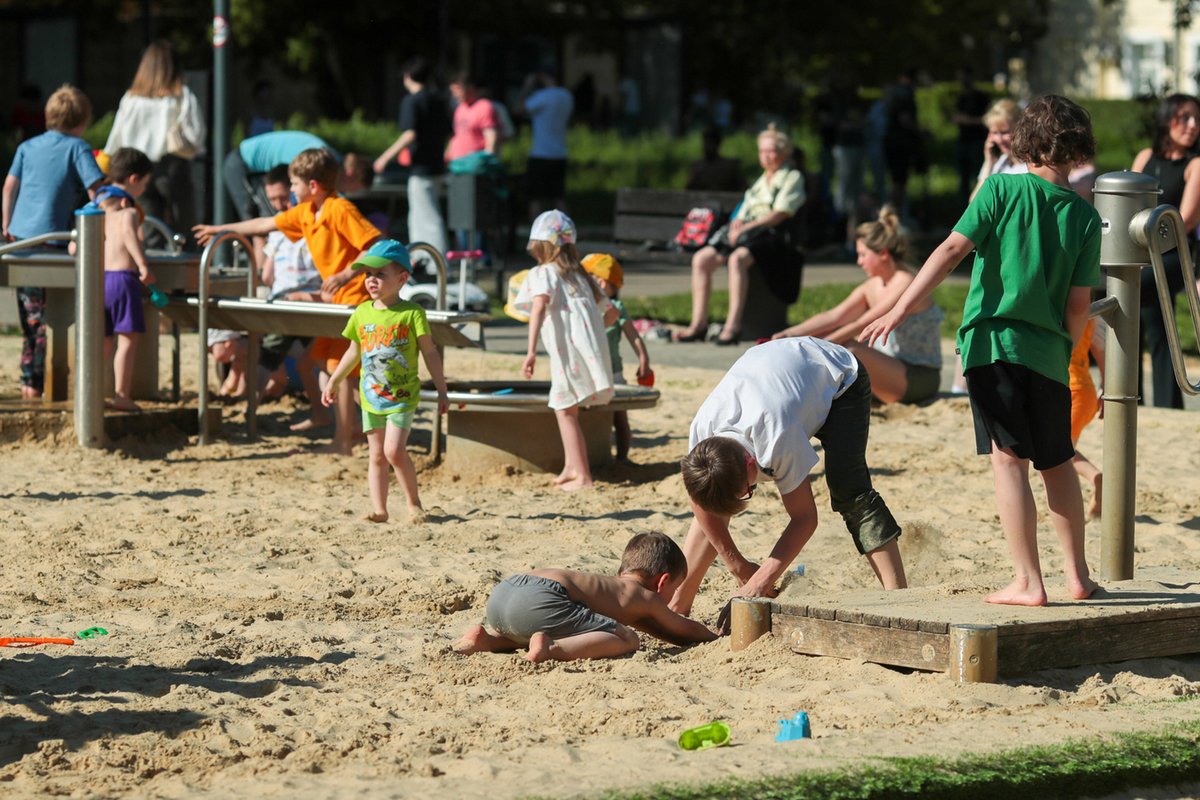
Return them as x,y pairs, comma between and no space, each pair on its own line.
908,368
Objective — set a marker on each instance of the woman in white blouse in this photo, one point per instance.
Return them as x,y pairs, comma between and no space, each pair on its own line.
162,118
997,150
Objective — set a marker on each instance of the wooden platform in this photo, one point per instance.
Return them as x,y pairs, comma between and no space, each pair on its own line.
1156,614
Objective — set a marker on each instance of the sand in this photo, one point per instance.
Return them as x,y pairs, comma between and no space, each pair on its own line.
264,641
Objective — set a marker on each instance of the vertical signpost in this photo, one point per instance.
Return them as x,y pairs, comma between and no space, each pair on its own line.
220,126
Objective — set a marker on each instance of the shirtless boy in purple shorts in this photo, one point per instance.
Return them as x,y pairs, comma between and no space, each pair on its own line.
124,267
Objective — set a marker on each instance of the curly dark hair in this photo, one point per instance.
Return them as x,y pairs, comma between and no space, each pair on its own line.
1053,130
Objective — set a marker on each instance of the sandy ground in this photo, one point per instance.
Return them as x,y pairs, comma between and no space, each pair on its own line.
263,641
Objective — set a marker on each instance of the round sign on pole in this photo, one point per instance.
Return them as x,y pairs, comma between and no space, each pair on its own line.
220,31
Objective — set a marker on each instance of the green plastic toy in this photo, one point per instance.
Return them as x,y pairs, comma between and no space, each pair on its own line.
714,734
92,633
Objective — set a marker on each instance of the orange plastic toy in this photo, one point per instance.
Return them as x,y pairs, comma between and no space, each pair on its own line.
18,641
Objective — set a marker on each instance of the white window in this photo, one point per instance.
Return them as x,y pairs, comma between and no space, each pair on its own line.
1144,64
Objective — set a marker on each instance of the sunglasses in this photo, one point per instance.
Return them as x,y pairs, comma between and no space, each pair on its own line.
749,493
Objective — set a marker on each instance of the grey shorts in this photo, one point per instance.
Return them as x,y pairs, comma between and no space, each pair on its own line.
523,605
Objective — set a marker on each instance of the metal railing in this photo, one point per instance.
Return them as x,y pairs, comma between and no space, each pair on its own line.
1161,222
252,356
174,240
439,263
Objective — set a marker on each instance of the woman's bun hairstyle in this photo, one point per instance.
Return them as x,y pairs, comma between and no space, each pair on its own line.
885,233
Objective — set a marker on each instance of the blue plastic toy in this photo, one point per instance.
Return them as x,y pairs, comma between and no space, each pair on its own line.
157,296
792,729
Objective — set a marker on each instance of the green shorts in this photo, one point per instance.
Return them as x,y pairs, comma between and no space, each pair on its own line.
397,419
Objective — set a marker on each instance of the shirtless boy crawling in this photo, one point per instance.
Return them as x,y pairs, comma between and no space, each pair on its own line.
563,615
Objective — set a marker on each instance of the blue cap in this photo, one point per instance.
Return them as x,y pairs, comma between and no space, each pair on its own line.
384,252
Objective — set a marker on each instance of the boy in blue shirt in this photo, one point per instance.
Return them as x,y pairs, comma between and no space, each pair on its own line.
39,197
1037,247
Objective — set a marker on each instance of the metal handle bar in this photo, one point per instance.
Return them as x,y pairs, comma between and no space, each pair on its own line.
252,365
1160,222
41,238
174,240
439,263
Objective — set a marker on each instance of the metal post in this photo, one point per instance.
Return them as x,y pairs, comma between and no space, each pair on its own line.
973,653
252,343
1120,197
749,620
220,126
89,327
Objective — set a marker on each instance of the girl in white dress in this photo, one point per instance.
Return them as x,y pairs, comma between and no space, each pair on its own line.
570,312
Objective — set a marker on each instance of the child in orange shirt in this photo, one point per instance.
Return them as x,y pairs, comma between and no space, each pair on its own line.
1084,405
337,235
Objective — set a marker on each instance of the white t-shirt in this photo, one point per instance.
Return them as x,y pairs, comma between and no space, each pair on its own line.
549,112
294,267
772,402
145,122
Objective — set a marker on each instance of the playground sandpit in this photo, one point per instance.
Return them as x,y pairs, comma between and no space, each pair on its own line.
265,641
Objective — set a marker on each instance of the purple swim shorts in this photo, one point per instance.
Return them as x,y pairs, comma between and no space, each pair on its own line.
123,303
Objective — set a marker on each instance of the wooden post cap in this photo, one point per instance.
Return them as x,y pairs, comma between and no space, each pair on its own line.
973,653
749,618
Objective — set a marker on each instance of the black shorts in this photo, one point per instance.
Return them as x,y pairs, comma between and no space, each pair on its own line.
1021,410
547,178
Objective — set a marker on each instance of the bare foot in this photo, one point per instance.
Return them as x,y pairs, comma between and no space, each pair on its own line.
337,448
123,404
1093,511
563,477
472,641
575,484
539,648
312,422
376,517
417,515
1081,588
1019,593
478,640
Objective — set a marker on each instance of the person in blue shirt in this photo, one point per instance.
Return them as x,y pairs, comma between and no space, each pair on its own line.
549,107
248,163
39,196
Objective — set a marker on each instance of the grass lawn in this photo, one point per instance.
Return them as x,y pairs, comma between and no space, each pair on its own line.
1088,768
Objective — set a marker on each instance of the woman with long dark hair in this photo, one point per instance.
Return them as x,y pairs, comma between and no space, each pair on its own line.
160,116
1172,160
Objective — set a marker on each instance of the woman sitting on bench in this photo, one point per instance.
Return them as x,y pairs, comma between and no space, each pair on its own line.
758,234
908,369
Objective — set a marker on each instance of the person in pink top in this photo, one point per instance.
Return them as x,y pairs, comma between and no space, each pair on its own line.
476,126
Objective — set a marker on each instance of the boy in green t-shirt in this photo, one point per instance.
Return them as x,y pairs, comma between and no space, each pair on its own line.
1037,256
386,333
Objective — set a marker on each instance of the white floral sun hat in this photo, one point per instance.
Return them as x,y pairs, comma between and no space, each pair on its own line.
554,227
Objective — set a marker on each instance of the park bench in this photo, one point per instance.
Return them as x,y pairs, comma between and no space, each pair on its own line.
656,215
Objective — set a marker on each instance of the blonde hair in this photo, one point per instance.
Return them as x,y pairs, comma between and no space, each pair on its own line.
158,75
566,261
315,164
885,233
67,109
1002,110
782,143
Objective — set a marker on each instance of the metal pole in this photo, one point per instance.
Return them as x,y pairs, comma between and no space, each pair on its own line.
220,127
1121,197
89,327
1120,423
252,343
